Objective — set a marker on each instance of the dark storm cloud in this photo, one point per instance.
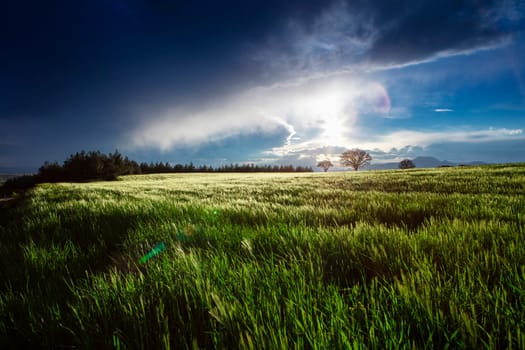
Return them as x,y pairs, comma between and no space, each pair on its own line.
394,32
57,53
409,30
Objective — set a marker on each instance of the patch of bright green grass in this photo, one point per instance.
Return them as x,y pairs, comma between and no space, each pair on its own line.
383,260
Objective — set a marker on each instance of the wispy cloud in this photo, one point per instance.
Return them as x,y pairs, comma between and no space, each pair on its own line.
380,35
329,57
515,132
320,116
337,37
393,147
325,109
401,140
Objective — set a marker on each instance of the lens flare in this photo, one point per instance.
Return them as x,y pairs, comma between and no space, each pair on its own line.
380,99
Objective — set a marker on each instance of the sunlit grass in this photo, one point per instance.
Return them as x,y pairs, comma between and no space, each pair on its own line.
390,259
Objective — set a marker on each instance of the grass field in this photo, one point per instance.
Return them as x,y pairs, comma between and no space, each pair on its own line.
382,260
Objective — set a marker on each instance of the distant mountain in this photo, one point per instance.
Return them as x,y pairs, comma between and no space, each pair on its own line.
421,162
430,162
380,166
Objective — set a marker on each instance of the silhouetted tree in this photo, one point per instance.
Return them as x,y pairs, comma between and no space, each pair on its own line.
355,158
325,164
94,165
51,172
83,166
406,164
144,168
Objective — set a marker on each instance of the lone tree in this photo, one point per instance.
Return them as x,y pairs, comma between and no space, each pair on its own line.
355,158
406,164
325,164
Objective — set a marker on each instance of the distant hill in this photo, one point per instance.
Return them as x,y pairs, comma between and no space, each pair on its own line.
430,162
421,162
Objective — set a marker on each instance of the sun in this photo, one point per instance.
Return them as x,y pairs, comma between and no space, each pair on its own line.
333,130
329,108
335,116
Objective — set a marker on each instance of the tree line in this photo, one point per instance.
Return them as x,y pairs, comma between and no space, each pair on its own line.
155,168
94,165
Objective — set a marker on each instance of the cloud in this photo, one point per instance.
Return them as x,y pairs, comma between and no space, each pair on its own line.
515,132
416,32
316,117
401,140
376,34
324,109
334,37
321,69
490,145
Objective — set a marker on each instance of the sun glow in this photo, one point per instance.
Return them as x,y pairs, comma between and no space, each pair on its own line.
331,112
333,131
322,111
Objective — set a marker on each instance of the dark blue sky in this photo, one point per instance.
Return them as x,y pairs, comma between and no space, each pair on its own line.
261,81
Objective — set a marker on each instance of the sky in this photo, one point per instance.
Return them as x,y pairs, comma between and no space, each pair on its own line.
265,82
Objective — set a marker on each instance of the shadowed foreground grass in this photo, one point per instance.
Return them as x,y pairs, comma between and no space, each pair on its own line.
382,260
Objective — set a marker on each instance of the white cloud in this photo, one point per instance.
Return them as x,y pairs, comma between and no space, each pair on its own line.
323,109
393,147
400,140
515,132
321,115
186,128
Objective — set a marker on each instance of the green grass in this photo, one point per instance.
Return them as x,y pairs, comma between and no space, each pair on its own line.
381,260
